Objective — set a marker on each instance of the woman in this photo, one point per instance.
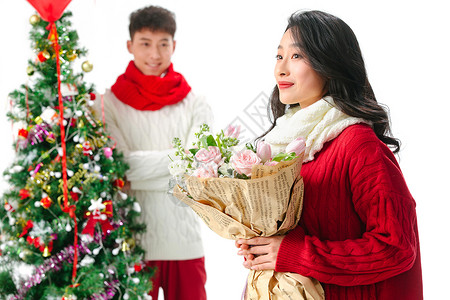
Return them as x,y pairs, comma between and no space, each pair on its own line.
358,232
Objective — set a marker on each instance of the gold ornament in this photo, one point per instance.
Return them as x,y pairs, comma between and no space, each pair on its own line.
71,55
46,252
131,242
46,54
125,247
38,120
34,19
47,188
80,124
87,66
50,138
30,70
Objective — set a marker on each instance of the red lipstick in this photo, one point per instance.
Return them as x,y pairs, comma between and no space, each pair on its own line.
284,84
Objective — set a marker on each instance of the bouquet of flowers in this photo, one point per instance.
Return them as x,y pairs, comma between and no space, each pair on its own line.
244,192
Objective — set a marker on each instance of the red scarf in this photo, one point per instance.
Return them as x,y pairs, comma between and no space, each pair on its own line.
150,92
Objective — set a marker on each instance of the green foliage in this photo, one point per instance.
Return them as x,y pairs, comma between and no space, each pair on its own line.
95,170
7,284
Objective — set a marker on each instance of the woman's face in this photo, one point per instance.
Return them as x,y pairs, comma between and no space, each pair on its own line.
296,80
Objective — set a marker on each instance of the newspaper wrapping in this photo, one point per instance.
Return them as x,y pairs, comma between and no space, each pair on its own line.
268,204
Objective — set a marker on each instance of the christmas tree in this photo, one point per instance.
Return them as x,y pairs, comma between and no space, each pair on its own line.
65,215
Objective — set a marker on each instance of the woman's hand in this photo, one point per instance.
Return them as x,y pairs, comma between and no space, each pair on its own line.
260,253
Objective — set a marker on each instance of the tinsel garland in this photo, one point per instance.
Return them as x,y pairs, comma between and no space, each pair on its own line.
54,263
110,290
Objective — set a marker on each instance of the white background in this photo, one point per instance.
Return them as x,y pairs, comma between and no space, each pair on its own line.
226,50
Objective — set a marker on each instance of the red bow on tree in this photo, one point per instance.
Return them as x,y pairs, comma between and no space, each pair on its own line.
27,227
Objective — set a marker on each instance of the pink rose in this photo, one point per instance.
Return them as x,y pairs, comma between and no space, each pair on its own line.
207,170
207,155
270,163
233,131
243,161
263,151
298,146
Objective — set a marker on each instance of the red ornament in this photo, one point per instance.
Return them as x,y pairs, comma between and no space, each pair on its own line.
137,267
119,183
42,56
74,196
50,10
9,208
23,133
92,95
46,202
24,193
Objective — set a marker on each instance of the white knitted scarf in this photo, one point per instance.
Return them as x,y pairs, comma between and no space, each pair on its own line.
317,124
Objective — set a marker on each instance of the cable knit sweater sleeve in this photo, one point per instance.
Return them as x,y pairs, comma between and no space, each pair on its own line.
153,165
383,245
145,137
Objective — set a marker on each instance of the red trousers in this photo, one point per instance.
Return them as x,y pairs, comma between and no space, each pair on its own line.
180,279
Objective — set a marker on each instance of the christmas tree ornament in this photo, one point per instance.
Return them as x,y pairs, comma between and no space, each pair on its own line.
87,66
71,55
34,19
50,10
108,152
115,251
30,70
22,138
80,124
8,207
43,56
125,246
131,242
137,268
69,297
68,92
96,251
46,202
136,280
49,116
119,183
24,193
50,138
87,148
46,252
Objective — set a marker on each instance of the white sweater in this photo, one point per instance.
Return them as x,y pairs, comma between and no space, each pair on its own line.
145,138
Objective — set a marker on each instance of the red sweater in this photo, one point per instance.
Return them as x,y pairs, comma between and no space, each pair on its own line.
358,232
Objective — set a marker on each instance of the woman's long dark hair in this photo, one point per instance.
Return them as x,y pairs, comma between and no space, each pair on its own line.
332,50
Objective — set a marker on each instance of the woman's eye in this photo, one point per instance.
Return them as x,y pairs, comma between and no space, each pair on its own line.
278,57
296,56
